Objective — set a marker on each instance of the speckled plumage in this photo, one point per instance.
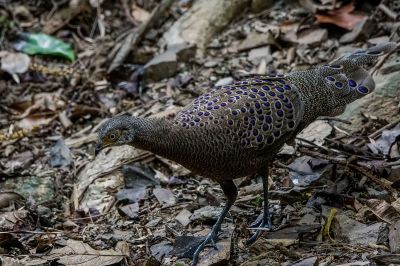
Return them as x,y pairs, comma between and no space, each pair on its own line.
235,130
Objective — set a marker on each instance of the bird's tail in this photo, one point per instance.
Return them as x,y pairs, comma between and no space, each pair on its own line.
348,76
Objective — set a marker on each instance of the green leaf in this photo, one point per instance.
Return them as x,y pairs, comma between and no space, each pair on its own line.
40,43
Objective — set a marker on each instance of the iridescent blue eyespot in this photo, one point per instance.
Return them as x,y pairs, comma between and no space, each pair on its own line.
223,104
281,81
280,89
206,113
261,93
260,138
352,83
268,119
257,105
287,87
330,78
362,89
239,92
265,127
264,99
228,92
200,113
272,93
266,88
280,113
252,96
251,110
192,123
278,105
243,110
281,96
215,100
234,112
209,107
289,105
197,119
216,107
266,104
338,84
254,89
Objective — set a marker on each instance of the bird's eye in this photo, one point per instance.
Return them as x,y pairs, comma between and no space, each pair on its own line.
112,136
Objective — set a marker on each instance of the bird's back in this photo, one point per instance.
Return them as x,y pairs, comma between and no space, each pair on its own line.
234,130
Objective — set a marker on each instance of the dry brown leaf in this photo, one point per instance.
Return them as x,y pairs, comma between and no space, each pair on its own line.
341,17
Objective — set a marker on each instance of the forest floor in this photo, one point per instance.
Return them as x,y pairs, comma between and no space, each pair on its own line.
68,66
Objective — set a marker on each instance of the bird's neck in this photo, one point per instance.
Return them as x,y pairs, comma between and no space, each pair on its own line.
155,135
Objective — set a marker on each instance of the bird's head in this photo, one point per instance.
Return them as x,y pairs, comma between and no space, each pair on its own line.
116,131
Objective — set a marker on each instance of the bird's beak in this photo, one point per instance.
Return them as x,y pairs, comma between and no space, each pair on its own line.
98,148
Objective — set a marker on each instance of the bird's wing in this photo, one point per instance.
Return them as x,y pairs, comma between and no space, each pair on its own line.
257,112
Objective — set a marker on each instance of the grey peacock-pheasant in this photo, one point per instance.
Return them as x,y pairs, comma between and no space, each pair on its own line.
236,130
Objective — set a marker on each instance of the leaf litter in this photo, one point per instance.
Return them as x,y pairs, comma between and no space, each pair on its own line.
128,206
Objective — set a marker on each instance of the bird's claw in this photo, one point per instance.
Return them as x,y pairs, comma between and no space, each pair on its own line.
265,223
210,240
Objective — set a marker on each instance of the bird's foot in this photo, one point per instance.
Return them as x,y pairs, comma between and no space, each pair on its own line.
209,240
265,224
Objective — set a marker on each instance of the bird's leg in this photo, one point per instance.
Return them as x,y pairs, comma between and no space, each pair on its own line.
266,220
230,192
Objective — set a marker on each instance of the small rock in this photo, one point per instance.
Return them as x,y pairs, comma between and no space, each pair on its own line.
206,213
257,54
184,217
164,196
255,39
162,66
224,81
